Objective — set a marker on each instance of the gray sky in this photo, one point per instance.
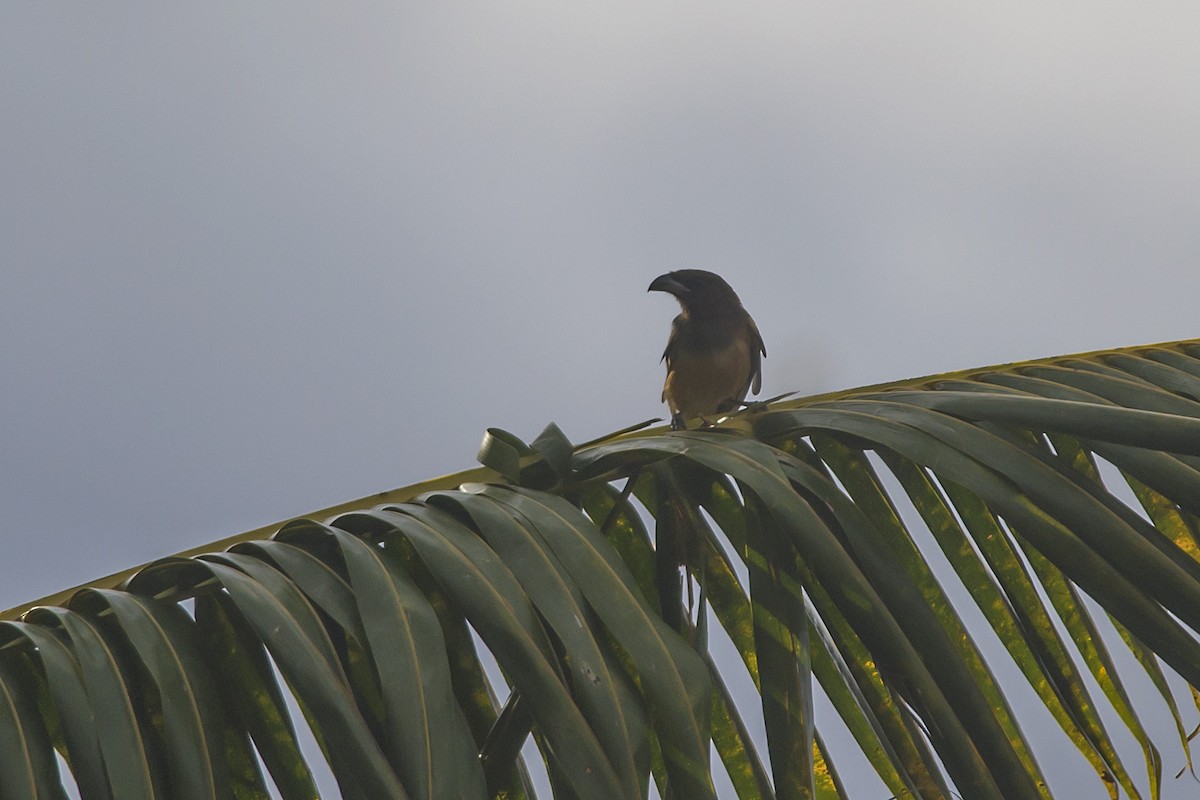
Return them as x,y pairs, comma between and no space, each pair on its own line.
260,258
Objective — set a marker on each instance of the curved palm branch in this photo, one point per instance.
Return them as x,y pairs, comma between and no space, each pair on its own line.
569,594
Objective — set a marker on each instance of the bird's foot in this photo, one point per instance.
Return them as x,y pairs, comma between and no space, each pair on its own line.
677,423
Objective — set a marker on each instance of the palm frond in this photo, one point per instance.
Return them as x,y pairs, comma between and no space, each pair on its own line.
569,594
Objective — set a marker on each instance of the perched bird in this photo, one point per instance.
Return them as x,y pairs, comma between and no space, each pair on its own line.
714,355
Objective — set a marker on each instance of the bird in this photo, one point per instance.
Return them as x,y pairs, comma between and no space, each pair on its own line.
714,354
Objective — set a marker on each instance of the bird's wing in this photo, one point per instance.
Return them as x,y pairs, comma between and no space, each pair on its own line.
672,347
757,351
673,340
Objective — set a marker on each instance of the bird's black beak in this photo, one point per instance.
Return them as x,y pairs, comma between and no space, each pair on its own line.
667,283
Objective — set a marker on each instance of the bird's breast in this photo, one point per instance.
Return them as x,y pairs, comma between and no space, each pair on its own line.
708,380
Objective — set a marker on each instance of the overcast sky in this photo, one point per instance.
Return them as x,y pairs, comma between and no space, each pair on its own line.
260,258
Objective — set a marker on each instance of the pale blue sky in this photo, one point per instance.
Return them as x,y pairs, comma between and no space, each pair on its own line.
260,258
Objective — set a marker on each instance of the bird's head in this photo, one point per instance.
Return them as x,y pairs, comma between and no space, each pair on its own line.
698,291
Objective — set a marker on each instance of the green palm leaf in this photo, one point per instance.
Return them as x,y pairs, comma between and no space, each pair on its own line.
570,596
